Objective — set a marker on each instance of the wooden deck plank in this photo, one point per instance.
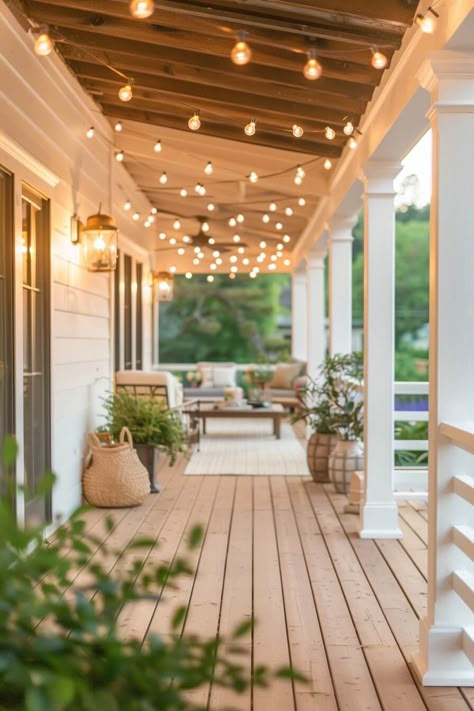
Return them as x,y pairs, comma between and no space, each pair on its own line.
398,612
271,645
307,649
237,597
389,671
351,676
416,522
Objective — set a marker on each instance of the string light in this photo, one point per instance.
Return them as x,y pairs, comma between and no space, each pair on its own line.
286,239
188,275
426,23
147,223
154,210
210,277
211,207
118,127
312,69
119,156
297,131
194,122
272,207
181,251
43,43
265,217
300,171
287,262
172,270
176,224
136,216
233,270
157,147
301,202
232,222
348,129
236,238
278,226
209,169
246,261
219,261
205,226
379,60
241,250
288,211
262,245
173,240
213,266
329,133
125,91
250,128
352,143
327,164
183,192
90,132
151,219
241,53
163,178
142,8
162,235
233,259
240,217
196,261
186,239
253,177
127,205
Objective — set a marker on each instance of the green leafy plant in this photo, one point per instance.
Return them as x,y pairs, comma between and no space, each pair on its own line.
332,402
149,421
60,643
411,430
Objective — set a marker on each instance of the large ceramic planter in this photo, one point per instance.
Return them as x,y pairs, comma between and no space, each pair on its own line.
345,459
317,455
148,455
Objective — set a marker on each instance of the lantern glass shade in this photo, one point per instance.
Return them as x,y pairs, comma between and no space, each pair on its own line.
164,286
99,241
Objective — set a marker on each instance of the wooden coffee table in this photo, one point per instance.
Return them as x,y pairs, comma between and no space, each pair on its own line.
206,411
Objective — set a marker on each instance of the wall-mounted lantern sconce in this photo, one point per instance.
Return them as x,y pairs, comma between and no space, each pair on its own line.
99,237
164,284
76,226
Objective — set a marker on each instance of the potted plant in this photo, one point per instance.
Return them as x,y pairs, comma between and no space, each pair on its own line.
344,393
153,426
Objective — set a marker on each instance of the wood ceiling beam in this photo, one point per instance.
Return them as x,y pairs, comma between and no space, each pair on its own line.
208,128
194,93
306,24
350,102
218,46
244,91
339,77
237,116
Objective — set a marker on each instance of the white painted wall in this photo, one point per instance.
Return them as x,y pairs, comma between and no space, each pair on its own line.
44,116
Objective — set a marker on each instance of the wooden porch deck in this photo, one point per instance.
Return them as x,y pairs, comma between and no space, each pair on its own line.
344,611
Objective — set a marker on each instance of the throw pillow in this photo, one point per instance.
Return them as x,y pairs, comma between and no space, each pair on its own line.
284,375
207,377
224,377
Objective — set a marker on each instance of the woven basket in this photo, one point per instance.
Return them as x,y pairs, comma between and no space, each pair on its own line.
115,476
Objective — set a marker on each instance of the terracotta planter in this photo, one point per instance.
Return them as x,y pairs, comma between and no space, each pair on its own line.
346,458
148,455
317,455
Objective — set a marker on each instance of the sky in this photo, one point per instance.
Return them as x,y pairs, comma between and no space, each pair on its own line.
417,162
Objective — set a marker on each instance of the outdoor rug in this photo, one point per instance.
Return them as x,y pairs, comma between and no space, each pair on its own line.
249,448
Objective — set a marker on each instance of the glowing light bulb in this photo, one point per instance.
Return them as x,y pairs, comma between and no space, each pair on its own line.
172,270
154,210
253,177
118,127
300,171
218,261
162,235
211,207
157,147
241,250
125,92
186,239
288,211
427,23
278,226
233,258
297,131
241,53
119,156
216,253
181,251
176,224
262,244
151,219
194,122
43,43
279,247
188,275
197,188
196,261
327,164
136,216
208,169
272,266
298,180
286,238
210,277
90,132
352,143
348,129
163,178
213,266
240,217
301,201
246,261
205,227
273,258
183,192
232,222
173,241
329,133
233,270
236,238
252,275
287,262
265,218
147,223
312,69
142,9
272,207
379,60
211,240
127,205
250,128
99,244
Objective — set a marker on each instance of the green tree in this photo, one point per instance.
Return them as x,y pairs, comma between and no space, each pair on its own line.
222,320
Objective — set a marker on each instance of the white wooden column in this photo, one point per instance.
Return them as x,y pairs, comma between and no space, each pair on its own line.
298,313
446,655
379,513
316,311
340,283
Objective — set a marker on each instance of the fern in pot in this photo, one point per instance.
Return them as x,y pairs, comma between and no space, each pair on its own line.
153,427
346,406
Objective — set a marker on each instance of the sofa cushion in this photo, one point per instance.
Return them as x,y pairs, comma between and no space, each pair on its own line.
217,375
224,377
284,375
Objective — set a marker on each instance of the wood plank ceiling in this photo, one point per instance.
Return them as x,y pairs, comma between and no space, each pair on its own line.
179,61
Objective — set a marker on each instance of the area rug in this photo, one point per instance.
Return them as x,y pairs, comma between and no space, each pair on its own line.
248,448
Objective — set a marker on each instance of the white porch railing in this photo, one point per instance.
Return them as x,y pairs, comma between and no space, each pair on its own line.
461,435
411,482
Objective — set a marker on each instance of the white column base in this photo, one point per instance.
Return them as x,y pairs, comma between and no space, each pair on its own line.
441,660
380,520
